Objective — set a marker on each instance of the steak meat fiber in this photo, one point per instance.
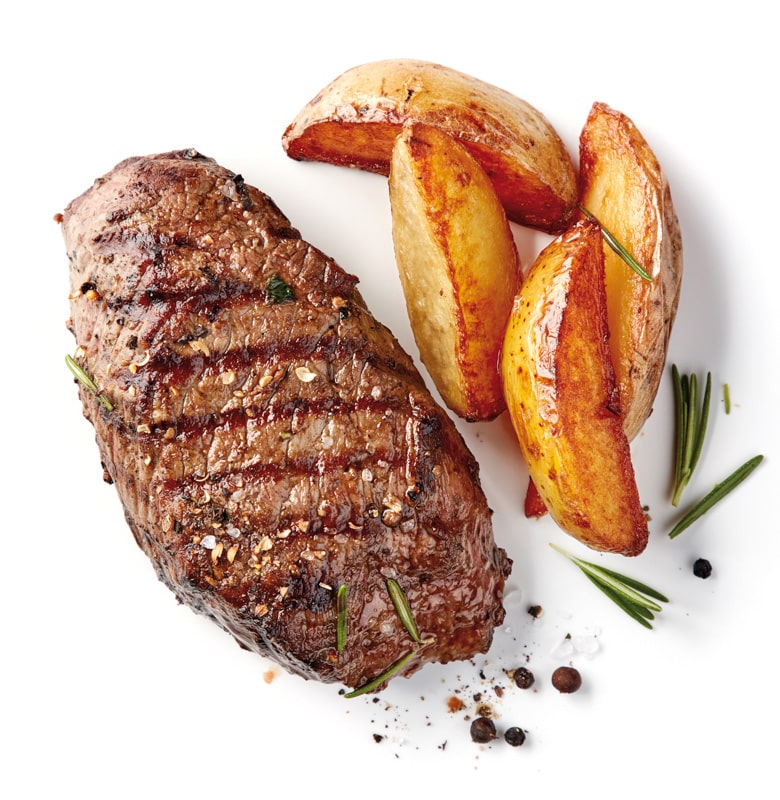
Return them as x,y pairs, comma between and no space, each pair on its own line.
269,439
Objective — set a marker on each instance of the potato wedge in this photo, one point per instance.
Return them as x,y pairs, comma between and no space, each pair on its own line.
355,119
458,266
623,186
563,400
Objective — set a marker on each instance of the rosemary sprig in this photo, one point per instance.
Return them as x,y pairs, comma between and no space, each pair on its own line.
618,248
371,685
341,617
81,376
718,492
403,608
630,595
691,420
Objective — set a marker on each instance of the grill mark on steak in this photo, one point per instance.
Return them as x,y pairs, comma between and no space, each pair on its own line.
180,367
194,426
266,453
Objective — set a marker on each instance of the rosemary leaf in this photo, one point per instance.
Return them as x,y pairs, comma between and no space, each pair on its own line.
341,617
681,406
691,420
642,616
81,376
691,424
727,398
403,608
371,685
702,420
616,582
635,584
277,291
618,248
718,492
630,595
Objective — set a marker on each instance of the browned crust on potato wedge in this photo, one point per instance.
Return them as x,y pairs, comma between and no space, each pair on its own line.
563,399
624,187
354,120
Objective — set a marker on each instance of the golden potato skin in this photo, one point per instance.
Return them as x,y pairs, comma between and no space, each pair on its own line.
623,186
355,119
563,400
458,266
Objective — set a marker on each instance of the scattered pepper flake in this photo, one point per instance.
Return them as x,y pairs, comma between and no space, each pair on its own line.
455,704
269,676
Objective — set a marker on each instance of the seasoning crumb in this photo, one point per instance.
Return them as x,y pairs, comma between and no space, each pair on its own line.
535,611
455,704
378,738
566,680
305,375
702,568
269,676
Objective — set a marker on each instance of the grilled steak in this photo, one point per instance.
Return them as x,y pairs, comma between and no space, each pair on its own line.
269,439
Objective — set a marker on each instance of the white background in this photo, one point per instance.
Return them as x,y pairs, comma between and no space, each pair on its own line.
112,690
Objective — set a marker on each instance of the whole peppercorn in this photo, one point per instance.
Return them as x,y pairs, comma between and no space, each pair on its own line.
483,730
514,736
524,678
566,680
702,568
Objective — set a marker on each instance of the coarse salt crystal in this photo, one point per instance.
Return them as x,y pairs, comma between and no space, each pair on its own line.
564,649
209,541
586,645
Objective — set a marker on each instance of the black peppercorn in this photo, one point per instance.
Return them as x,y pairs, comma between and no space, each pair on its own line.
566,680
483,730
702,568
514,736
524,678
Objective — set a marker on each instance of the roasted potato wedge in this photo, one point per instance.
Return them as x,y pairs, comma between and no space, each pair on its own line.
354,122
623,186
458,265
563,399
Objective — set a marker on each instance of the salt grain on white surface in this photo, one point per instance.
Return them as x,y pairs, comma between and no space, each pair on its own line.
564,649
587,645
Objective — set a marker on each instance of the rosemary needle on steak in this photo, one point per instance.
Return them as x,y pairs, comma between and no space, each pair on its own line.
403,608
341,616
81,376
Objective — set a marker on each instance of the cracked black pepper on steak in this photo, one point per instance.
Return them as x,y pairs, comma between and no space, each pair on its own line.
268,438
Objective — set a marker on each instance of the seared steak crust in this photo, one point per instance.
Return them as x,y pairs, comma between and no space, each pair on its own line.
268,438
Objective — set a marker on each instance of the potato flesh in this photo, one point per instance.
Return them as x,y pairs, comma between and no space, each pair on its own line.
354,121
458,266
563,399
624,188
